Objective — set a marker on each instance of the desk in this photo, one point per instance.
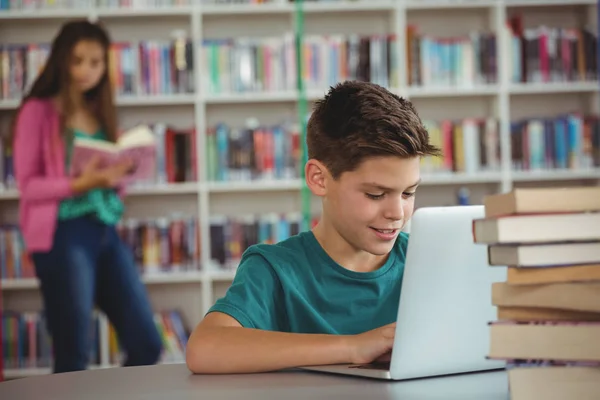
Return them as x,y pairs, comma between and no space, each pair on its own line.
175,382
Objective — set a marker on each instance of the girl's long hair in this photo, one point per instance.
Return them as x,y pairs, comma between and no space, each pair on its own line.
54,81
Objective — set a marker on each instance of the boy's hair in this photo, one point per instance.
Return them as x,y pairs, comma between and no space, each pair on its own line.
358,120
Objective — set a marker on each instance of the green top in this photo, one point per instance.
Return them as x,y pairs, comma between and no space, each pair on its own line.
105,204
294,286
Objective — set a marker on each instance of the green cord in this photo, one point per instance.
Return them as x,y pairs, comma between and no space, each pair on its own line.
302,107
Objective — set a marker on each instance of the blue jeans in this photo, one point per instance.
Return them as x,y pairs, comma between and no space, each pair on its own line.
89,264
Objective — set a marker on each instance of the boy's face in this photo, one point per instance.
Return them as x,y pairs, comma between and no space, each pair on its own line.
368,207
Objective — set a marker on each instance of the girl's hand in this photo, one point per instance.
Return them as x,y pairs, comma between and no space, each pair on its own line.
94,177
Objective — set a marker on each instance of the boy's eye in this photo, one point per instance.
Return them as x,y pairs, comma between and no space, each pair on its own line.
408,194
375,196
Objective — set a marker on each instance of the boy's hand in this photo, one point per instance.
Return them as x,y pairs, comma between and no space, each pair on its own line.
374,345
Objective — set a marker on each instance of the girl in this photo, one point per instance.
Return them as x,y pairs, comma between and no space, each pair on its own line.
68,223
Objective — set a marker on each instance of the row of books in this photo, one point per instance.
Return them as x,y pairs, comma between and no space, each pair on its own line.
551,54
571,141
548,309
458,61
146,68
470,146
133,4
163,245
15,260
230,236
269,64
253,152
176,155
256,151
176,158
250,64
173,331
152,67
26,342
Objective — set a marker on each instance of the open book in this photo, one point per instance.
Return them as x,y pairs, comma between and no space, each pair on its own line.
137,144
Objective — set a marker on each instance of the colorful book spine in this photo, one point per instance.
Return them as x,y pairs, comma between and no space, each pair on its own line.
551,54
15,261
174,334
27,342
163,245
230,236
150,67
570,141
468,146
269,64
254,152
451,61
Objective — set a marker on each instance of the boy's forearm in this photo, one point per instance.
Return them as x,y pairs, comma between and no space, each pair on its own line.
222,350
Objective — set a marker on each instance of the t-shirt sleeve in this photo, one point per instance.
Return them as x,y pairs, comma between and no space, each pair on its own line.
254,298
402,244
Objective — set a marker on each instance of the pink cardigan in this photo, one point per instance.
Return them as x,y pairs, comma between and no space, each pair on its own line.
39,165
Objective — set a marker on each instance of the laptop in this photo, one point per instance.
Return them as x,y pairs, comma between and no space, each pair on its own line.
445,302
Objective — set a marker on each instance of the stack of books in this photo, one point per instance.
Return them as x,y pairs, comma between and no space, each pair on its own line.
548,309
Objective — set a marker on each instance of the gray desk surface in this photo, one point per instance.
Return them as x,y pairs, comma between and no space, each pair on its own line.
176,382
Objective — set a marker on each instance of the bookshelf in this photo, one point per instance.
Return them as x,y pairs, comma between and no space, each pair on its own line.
501,99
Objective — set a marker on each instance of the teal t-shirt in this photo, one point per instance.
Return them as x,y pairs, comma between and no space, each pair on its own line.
294,286
104,203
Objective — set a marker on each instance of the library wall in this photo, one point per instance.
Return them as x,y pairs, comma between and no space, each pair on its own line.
508,89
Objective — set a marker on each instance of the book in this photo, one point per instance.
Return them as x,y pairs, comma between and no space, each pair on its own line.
538,228
530,314
563,296
544,255
550,340
137,144
555,382
564,274
542,200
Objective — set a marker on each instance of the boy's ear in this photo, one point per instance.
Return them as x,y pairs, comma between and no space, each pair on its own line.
316,176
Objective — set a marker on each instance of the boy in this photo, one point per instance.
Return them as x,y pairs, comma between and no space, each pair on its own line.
330,295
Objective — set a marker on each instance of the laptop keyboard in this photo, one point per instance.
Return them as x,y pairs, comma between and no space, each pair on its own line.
383,366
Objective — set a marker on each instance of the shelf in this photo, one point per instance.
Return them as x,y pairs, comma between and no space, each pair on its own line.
154,190
348,6
558,175
130,101
172,277
9,194
452,91
251,97
288,8
9,104
68,13
19,284
441,4
254,186
129,12
548,3
240,9
166,189
558,87
148,279
460,178
156,100
221,276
